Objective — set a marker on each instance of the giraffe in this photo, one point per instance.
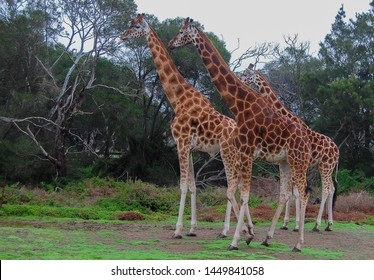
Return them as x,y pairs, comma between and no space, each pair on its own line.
262,133
325,153
196,126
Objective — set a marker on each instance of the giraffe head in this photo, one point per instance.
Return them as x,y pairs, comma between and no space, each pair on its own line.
138,28
249,75
186,35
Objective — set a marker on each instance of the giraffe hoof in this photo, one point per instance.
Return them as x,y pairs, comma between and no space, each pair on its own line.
191,234
233,248
177,236
284,228
295,230
265,243
329,227
315,229
221,235
296,250
249,239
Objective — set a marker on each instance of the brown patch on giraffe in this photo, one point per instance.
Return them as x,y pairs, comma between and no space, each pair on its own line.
158,64
278,105
179,90
163,77
221,83
205,53
240,105
173,79
241,93
256,109
230,79
215,59
214,71
207,60
206,46
168,69
285,134
223,70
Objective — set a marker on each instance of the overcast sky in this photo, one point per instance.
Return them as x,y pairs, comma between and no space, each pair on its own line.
256,22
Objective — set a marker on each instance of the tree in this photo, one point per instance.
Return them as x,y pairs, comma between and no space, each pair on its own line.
89,28
286,70
343,89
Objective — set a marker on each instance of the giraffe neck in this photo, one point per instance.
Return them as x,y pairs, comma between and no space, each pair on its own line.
172,81
269,95
228,84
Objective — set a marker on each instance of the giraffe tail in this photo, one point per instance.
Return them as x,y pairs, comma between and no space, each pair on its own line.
335,181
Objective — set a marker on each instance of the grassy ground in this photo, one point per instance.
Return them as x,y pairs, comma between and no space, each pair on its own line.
106,219
57,239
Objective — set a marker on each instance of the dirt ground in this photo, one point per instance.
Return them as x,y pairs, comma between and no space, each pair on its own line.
355,243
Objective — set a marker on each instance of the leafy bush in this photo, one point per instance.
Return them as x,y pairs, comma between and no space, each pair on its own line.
354,181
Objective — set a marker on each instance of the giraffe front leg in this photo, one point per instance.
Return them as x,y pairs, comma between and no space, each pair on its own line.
297,207
286,216
250,226
230,158
316,227
303,203
184,155
284,180
239,226
192,187
179,225
226,226
284,196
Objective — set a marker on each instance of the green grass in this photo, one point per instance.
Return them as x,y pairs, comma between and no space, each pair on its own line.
26,242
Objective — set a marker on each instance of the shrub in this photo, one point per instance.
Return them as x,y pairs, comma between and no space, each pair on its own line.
360,201
354,181
130,216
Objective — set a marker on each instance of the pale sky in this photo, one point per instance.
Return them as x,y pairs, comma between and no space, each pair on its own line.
256,22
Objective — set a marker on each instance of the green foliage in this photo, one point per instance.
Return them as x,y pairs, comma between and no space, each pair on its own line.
93,198
121,128
354,181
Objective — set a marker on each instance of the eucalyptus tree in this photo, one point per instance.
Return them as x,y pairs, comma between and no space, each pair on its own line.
86,31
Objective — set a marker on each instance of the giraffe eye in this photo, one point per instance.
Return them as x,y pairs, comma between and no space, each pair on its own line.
181,32
137,26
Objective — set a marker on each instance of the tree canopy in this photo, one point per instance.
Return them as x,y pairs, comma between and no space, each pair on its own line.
76,102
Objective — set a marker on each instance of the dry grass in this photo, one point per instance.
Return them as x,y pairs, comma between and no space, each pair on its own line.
355,202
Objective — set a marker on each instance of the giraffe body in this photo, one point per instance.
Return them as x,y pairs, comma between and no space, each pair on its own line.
325,153
197,126
262,133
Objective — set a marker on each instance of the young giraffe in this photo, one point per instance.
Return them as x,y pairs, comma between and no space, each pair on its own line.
325,153
263,134
196,126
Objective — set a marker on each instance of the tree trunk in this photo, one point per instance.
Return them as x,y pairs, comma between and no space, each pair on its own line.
60,165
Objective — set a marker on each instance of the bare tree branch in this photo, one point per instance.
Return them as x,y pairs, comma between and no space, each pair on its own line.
263,51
